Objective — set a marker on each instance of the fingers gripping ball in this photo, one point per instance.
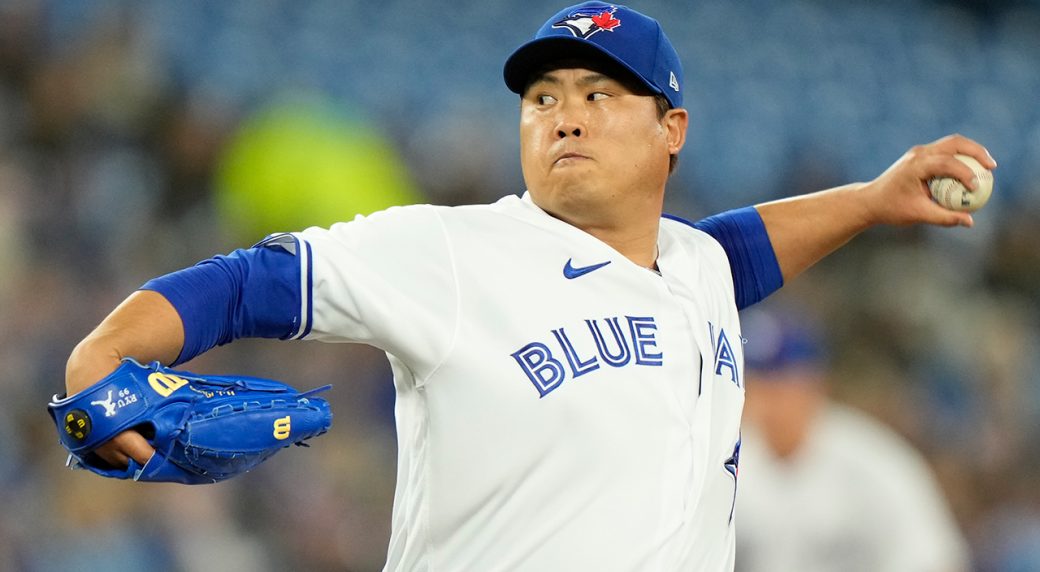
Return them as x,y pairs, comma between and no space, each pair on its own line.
952,194
204,428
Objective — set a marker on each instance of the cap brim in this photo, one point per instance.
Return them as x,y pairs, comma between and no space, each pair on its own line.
534,55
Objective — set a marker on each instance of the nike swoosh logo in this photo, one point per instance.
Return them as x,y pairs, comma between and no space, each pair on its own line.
570,272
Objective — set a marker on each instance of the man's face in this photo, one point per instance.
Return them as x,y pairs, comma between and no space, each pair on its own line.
590,146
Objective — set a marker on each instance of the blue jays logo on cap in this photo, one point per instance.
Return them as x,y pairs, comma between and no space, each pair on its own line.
633,43
584,23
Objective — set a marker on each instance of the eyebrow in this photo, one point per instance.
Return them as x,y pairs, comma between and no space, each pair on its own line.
587,79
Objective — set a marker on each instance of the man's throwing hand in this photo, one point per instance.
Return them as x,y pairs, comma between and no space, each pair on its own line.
901,194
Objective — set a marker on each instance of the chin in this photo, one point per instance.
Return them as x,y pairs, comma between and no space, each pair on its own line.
576,202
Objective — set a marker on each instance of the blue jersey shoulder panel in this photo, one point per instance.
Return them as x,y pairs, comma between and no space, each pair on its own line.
752,261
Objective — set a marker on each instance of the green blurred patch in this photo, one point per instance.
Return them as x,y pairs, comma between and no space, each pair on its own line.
303,162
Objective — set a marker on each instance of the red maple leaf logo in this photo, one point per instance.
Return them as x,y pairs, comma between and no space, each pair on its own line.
606,21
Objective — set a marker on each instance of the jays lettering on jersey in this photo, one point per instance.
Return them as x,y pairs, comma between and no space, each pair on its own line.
558,407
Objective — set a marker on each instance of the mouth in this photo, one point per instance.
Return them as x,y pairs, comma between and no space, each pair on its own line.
568,158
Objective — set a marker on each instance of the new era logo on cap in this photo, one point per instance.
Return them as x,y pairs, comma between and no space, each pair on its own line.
633,41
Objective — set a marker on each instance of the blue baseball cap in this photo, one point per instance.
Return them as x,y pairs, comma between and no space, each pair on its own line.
609,32
780,339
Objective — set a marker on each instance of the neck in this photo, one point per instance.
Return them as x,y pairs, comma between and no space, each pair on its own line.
637,245
634,238
627,221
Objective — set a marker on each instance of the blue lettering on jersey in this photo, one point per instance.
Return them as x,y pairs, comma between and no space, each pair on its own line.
732,466
724,356
578,366
623,354
547,372
643,339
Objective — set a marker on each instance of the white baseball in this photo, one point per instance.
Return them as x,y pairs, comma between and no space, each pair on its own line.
952,194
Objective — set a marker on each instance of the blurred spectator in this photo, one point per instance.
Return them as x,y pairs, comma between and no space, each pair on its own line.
824,487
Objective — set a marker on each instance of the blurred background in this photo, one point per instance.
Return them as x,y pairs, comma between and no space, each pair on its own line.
138,137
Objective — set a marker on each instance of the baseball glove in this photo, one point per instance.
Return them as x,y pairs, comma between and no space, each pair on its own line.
204,428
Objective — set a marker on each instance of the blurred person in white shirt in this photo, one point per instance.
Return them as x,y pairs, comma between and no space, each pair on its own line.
823,487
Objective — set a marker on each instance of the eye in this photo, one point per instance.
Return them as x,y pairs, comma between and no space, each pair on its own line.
597,96
545,99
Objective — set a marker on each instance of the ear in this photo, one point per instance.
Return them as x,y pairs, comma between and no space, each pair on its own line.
675,122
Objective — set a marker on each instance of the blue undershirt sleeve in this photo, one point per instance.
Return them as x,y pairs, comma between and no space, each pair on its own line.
742,234
249,293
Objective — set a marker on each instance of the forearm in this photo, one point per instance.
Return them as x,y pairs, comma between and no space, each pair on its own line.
145,326
806,228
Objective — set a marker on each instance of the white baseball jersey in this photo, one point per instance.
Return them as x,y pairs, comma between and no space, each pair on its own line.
558,407
854,497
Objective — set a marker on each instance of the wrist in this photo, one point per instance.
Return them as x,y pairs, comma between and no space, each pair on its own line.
91,360
863,205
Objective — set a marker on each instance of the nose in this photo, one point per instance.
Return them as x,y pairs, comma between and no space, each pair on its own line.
565,130
571,121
